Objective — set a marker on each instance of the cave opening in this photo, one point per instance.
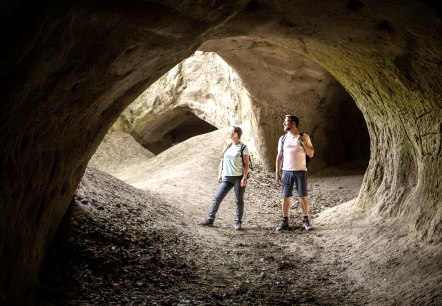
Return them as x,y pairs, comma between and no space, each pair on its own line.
71,71
208,91
189,125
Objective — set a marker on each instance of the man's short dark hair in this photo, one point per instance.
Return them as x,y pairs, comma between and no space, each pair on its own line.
293,118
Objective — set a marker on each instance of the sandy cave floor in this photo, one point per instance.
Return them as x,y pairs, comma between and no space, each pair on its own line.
123,245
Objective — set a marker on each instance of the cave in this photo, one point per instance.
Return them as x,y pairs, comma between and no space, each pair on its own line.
205,88
70,69
183,128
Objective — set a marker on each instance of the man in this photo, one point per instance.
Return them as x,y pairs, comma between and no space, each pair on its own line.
291,168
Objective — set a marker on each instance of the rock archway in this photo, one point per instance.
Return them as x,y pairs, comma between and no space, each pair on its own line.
177,127
208,87
71,69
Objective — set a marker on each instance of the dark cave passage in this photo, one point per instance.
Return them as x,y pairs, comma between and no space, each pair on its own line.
189,126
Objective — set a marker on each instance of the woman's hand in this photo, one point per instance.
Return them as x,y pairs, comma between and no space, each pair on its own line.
244,182
220,178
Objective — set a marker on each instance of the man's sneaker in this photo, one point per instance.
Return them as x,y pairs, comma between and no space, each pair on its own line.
237,225
283,224
207,222
307,225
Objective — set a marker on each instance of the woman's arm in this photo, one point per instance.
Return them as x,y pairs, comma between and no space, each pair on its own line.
245,159
220,172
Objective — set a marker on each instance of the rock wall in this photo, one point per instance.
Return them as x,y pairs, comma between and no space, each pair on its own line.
207,86
202,84
70,69
66,75
389,65
282,82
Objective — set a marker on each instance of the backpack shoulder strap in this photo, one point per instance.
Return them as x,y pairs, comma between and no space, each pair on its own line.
302,134
227,148
242,153
243,146
307,158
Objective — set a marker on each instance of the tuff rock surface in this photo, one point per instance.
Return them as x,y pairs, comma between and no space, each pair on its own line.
203,92
68,70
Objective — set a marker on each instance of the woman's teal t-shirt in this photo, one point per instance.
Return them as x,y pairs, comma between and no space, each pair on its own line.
233,165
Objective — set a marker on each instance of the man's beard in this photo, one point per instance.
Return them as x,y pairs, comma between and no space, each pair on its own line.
287,129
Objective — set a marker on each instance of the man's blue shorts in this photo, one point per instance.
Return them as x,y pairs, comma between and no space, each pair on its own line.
289,178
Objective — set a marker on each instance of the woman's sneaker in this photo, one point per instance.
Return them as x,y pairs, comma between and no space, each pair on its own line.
207,222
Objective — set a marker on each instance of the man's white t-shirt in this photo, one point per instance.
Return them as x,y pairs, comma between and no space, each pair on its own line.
233,165
293,158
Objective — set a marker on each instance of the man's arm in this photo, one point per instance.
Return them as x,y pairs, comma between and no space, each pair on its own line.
278,166
309,150
307,144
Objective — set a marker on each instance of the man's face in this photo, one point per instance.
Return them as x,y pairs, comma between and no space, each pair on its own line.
287,124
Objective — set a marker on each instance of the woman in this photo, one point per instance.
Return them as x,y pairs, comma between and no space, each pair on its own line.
233,172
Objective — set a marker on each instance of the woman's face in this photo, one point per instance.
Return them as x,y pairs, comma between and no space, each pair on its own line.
232,134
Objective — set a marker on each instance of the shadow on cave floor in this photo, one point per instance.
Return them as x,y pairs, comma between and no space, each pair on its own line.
123,245
120,245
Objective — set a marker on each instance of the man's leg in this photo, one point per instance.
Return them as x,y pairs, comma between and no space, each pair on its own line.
287,180
285,206
284,222
301,185
305,213
304,206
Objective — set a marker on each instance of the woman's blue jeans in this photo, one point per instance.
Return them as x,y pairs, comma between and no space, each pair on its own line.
227,183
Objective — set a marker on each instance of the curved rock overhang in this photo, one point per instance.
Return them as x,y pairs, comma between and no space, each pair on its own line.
182,125
71,69
274,81
282,81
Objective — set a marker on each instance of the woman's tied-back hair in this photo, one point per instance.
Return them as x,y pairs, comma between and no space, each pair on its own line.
294,119
238,130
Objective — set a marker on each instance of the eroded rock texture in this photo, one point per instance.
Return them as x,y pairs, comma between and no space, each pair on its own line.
69,70
200,94
203,93
281,82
